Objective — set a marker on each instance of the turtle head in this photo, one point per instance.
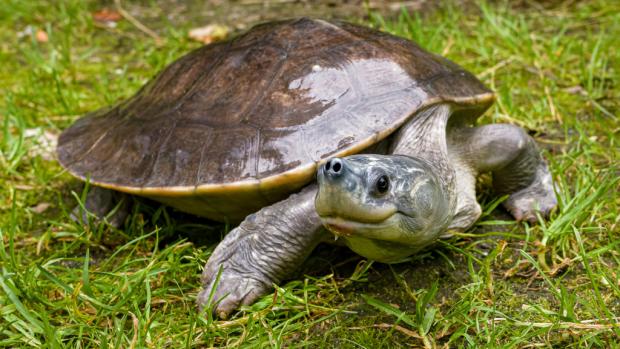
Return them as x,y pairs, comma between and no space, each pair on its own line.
385,207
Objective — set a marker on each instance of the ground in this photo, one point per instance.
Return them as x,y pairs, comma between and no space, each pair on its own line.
555,68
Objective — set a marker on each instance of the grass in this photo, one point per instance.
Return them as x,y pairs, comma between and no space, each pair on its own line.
555,69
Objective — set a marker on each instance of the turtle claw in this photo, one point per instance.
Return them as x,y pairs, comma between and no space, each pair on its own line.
537,199
231,292
532,213
229,280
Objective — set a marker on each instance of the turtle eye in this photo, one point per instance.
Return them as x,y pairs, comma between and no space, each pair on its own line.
383,184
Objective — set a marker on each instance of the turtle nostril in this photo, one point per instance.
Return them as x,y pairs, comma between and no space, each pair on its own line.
333,167
337,167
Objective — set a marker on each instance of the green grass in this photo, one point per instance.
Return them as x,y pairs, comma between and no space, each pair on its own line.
556,72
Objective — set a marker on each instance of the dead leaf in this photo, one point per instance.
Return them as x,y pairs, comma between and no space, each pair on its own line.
576,90
106,15
41,207
209,33
561,267
41,36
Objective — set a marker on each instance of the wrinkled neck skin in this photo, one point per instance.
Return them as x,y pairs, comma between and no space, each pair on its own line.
417,208
424,138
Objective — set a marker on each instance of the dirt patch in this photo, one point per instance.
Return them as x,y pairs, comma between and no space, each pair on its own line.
245,13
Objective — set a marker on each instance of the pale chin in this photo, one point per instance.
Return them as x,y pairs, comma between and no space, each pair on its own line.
386,241
380,251
369,240
345,228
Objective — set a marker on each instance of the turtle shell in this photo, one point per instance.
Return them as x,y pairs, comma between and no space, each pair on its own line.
236,125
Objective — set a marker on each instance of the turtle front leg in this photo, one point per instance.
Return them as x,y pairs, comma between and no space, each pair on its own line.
264,249
517,167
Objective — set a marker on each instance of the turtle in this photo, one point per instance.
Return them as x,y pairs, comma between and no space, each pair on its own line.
302,131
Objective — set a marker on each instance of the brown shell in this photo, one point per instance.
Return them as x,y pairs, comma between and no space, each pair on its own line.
239,124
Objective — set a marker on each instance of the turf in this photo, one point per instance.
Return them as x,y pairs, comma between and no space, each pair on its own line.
555,68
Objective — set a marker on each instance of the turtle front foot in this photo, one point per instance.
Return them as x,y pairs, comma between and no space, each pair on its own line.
230,291
539,197
240,281
264,249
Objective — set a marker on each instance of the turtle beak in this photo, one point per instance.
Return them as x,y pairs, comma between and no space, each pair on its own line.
338,182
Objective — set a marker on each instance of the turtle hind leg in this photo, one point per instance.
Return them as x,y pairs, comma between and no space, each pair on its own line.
105,205
515,163
527,181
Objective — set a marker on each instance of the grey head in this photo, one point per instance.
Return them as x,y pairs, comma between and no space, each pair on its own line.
385,207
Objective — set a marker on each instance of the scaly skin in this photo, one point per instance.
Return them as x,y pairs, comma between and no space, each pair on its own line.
265,248
513,159
270,244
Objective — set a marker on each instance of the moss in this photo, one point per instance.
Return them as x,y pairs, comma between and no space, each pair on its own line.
555,69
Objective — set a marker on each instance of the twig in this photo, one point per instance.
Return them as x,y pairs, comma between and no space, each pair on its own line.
136,22
494,68
583,325
136,326
448,46
554,112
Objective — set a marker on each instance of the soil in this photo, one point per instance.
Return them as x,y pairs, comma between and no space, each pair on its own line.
245,13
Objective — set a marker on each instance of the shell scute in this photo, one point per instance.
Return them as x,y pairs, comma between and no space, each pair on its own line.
254,115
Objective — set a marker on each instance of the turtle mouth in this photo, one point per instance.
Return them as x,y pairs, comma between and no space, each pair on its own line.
383,241
346,228
341,208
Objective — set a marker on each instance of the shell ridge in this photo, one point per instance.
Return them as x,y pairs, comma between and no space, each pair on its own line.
92,147
355,84
151,169
256,152
304,138
202,154
205,74
261,95
255,103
